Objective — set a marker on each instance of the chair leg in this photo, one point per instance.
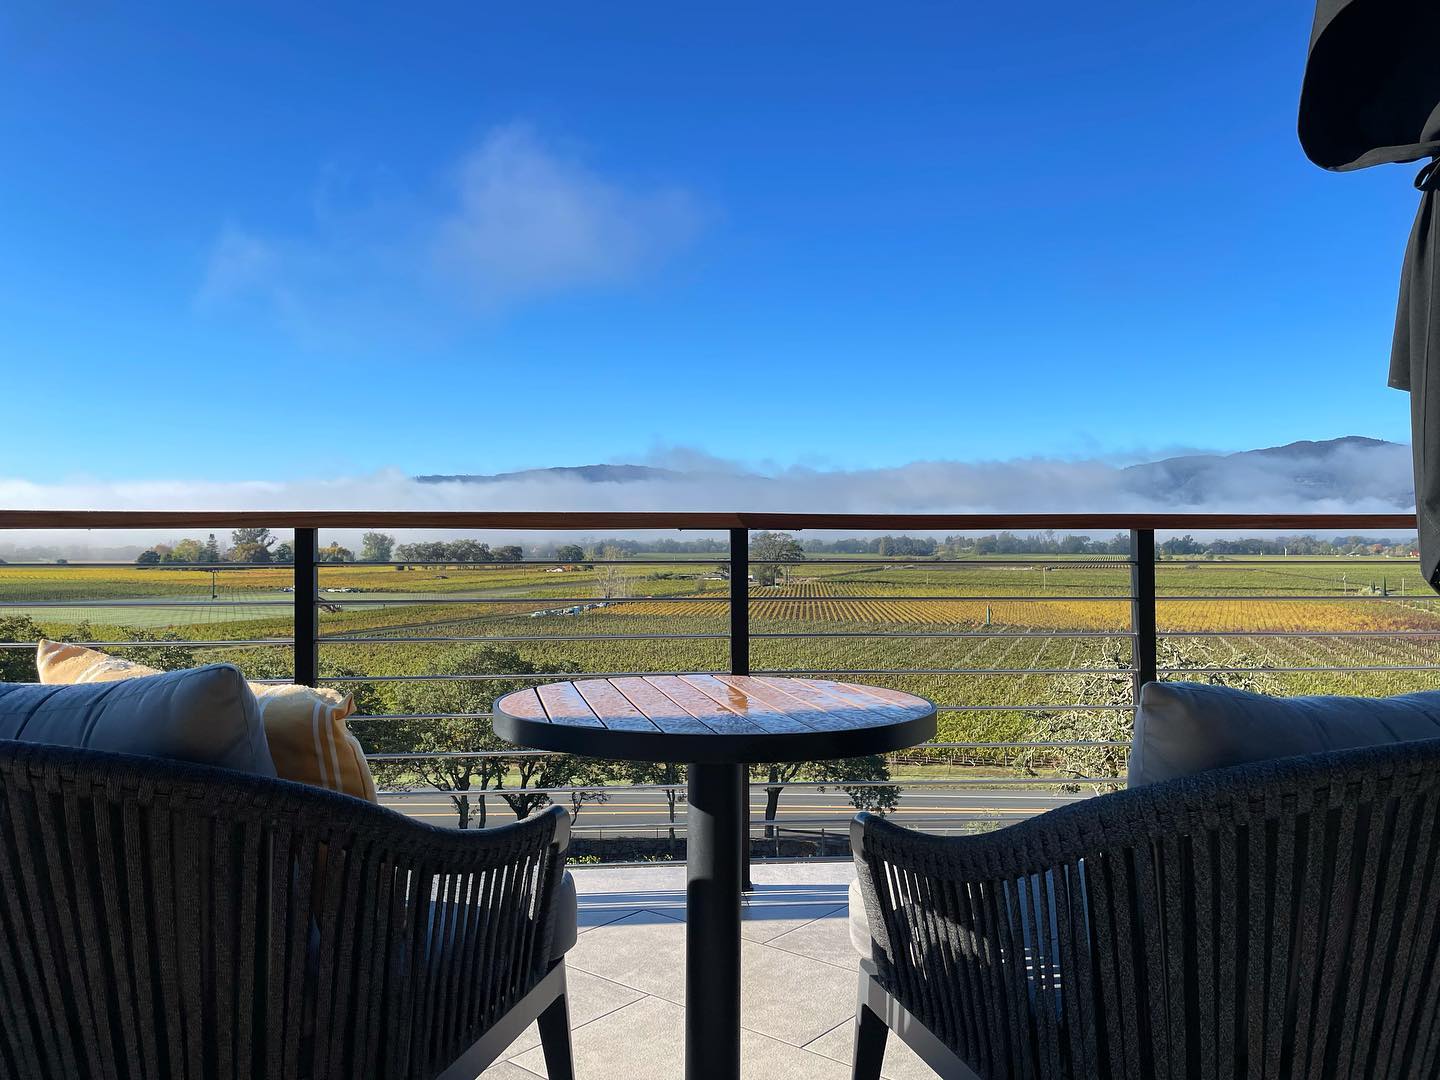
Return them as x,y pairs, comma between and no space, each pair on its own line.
870,1036
554,1025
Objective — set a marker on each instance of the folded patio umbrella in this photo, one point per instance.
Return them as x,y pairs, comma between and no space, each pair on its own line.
1371,96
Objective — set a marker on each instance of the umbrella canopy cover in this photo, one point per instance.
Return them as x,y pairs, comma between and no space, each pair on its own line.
1371,96
1372,83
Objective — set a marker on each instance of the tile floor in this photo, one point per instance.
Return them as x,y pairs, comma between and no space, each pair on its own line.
627,979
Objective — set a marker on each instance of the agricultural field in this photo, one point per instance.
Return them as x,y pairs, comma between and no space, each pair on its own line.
1007,647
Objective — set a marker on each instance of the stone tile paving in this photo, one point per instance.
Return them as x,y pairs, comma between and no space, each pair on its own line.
627,979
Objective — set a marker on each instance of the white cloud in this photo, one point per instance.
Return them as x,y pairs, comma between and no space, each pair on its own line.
517,219
1349,479
239,262
530,221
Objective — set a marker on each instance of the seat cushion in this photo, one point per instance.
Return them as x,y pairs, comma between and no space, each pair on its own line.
567,917
1185,728
305,727
205,715
860,922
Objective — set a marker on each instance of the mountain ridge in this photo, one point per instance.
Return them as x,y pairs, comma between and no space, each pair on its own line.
1323,468
592,474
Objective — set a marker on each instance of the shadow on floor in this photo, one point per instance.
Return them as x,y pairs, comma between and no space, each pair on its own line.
765,902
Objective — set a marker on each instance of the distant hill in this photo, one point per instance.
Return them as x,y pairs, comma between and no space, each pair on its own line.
1335,469
1353,470
591,474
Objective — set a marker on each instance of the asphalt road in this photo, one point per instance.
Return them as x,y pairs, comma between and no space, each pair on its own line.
642,813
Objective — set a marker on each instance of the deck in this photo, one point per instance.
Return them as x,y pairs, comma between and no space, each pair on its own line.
627,979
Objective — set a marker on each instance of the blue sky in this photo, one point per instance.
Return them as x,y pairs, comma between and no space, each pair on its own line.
300,241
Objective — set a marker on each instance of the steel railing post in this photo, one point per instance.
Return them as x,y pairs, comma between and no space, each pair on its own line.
1142,607
740,665
307,607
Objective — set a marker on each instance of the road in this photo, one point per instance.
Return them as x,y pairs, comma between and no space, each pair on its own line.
642,813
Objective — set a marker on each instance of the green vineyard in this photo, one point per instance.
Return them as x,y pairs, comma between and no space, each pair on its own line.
1007,650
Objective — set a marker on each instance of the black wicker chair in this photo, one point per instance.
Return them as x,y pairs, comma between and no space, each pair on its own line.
1272,920
168,920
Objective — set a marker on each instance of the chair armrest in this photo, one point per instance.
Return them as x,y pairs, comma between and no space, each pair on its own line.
445,929
976,949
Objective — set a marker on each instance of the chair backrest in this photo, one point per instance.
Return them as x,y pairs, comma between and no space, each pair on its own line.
1275,919
162,919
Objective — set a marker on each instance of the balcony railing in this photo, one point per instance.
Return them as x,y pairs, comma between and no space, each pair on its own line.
1000,642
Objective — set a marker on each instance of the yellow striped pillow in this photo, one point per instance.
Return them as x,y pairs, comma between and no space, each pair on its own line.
305,726
310,740
60,663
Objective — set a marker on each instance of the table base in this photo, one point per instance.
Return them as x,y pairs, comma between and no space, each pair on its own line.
712,921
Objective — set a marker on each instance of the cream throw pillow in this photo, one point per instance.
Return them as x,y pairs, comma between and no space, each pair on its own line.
309,740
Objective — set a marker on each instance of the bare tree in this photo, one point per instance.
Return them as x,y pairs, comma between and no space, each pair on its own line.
611,581
1098,737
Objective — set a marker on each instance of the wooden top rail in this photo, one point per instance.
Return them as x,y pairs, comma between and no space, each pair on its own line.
662,519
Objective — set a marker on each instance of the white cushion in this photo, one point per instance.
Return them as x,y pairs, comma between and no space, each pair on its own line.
860,922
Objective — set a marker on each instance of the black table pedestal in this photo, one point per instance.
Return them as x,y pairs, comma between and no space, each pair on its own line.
712,922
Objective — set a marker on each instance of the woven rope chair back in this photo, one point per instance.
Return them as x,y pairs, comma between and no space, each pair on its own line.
1273,920
174,921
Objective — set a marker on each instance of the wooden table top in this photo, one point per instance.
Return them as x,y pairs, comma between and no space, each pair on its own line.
714,718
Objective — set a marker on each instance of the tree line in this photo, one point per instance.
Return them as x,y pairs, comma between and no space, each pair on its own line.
250,546
1182,546
260,546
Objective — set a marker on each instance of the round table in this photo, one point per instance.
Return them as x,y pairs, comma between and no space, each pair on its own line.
717,725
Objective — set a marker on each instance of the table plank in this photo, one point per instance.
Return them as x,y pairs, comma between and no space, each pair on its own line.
704,708
857,697
847,714
526,705
614,709
564,705
884,693
835,718
764,716
659,709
